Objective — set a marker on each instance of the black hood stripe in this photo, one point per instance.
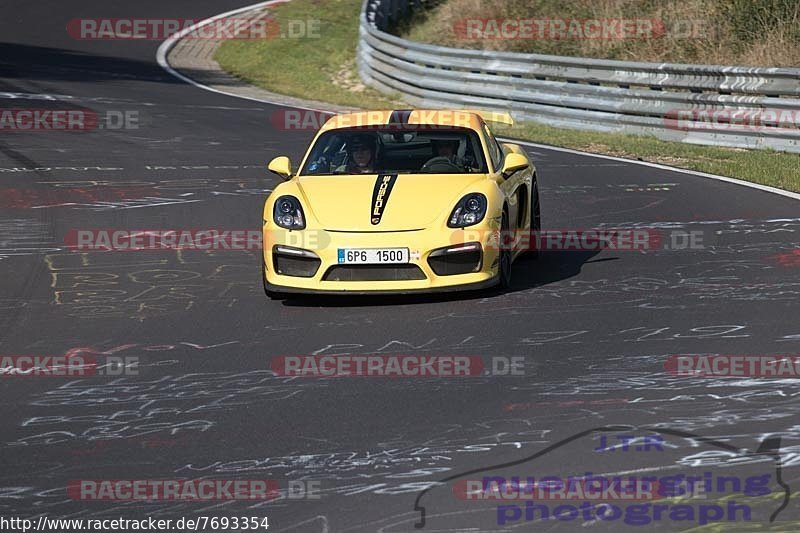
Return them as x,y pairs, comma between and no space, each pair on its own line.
380,196
400,116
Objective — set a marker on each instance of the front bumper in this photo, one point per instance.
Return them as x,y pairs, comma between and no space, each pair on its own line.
307,261
283,289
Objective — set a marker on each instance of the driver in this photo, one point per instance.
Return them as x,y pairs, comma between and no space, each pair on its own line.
362,152
445,156
445,148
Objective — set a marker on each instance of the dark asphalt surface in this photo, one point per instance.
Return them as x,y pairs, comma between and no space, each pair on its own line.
595,329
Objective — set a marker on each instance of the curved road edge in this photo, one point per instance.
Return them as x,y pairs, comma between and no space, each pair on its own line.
267,97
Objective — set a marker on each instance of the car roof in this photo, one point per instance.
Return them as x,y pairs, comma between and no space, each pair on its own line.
440,117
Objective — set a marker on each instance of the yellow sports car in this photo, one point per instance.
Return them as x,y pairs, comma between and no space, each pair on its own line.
400,202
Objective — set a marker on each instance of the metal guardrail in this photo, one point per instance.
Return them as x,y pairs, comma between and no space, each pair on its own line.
669,101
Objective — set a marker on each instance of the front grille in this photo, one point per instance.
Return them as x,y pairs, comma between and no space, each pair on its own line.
301,267
455,263
374,273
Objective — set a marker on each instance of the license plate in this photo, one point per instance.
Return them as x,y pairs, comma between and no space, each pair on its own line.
373,256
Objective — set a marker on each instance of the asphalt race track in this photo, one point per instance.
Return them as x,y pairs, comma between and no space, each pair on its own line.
594,328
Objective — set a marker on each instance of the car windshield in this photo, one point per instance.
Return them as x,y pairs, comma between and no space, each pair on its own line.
396,150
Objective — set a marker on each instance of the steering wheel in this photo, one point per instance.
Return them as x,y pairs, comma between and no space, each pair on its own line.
441,165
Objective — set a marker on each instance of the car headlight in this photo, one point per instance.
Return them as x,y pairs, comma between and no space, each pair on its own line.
468,211
288,213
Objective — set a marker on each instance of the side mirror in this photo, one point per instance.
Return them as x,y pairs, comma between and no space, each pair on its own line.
513,163
281,166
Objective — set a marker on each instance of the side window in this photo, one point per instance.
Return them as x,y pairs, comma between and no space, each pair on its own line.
494,149
502,152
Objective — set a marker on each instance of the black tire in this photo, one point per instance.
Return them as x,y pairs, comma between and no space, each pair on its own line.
536,222
504,268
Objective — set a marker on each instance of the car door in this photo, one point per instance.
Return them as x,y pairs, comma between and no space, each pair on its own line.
515,194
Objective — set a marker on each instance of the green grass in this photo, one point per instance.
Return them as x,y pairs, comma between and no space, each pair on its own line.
321,66
324,69
767,167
